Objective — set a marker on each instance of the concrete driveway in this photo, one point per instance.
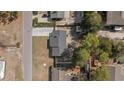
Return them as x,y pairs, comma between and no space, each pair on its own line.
44,31
112,35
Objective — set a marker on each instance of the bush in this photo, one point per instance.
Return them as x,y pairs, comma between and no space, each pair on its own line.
106,44
91,43
104,57
100,74
35,21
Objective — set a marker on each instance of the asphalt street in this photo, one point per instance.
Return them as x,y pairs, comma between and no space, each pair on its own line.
27,45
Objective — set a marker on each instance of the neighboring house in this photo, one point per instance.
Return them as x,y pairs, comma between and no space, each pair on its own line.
68,16
2,69
62,17
115,18
59,75
62,74
57,43
56,15
116,72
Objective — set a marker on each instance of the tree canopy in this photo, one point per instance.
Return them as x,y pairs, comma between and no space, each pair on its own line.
118,48
105,44
104,57
100,74
91,43
91,21
80,57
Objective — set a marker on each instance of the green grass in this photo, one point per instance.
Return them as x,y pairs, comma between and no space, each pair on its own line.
35,46
43,25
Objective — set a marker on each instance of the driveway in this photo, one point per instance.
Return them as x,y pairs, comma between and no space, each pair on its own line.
112,35
43,31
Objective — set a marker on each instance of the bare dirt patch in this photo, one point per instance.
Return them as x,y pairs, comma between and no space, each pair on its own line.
10,34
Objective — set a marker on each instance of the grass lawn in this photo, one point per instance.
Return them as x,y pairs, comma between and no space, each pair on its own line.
40,56
18,73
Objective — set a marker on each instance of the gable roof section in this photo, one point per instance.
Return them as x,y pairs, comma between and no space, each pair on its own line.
57,42
59,75
57,14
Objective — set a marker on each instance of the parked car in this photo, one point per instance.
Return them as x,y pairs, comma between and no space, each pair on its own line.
118,28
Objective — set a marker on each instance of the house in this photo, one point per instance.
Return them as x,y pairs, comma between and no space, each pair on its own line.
58,74
115,19
62,17
57,15
61,74
57,43
116,72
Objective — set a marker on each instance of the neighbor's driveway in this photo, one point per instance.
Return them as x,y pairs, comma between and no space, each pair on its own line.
112,35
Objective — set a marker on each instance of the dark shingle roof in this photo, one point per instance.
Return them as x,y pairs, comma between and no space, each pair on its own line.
115,18
59,75
55,74
57,42
57,14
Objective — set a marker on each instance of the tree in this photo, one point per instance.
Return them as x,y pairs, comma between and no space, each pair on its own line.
35,21
91,43
91,21
14,14
8,17
104,57
100,74
118,48
105,44
80,57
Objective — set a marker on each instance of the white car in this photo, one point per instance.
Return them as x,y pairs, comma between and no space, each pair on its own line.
118,28
2,69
